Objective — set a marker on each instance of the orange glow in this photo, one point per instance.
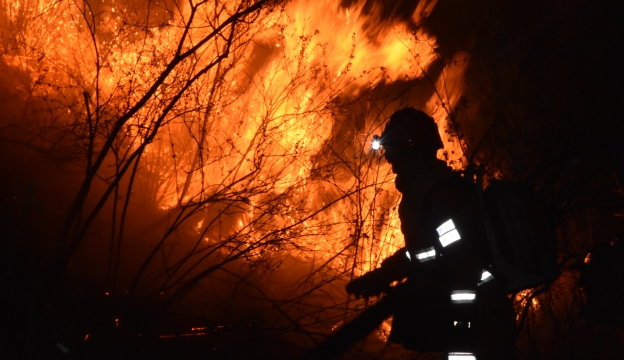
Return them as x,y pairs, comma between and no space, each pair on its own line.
271,109
193,334
520,302
450,87
384,331
337,325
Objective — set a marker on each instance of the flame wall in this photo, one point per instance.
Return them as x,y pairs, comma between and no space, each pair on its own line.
248,163
266,132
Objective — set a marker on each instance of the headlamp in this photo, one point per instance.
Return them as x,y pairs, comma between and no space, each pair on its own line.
376,144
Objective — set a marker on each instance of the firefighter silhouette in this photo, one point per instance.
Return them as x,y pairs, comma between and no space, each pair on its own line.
449,303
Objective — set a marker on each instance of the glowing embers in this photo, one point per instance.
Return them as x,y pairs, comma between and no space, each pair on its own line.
461,356
463,296
485,277
448,234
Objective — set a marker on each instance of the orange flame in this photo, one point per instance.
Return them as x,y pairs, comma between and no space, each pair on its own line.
268,110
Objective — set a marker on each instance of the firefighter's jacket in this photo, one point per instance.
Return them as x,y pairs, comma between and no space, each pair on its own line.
443,260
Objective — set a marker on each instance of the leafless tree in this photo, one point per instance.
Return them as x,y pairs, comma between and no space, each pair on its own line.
226,179
197,138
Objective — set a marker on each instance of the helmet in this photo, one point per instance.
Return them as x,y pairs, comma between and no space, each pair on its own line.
410,134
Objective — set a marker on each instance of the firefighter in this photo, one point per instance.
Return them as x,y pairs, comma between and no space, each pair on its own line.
447,304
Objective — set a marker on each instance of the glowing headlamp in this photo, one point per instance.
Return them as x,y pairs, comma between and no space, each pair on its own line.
376,145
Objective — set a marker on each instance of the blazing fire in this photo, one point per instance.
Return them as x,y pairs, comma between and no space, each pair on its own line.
254,125
191,151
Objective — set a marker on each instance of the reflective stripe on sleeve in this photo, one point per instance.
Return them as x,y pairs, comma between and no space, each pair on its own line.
463,296
426,254
461,356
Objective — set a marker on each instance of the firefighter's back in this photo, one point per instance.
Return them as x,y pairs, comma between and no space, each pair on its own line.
445,306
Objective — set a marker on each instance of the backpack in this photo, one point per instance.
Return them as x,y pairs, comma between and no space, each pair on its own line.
521,234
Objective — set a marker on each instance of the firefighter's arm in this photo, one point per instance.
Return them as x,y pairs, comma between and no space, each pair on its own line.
373,283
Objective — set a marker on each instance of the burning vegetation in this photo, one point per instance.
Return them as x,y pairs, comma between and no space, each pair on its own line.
213,173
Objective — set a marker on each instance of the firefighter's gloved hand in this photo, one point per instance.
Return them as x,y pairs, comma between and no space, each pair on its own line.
369,284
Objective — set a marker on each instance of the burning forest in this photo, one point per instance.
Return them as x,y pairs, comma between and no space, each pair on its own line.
196,178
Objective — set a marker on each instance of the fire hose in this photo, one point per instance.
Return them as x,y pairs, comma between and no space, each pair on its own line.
357,329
